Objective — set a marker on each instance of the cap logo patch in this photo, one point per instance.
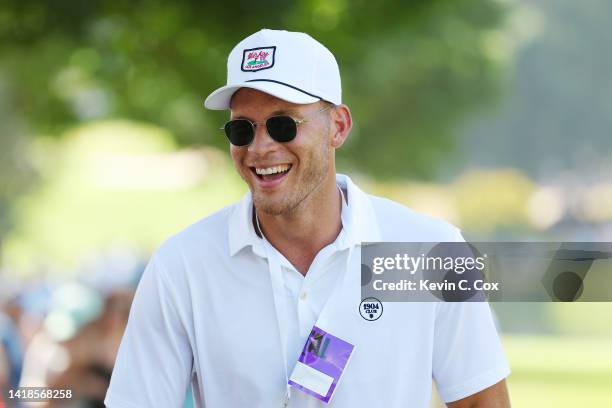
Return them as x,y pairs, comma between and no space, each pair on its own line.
256,59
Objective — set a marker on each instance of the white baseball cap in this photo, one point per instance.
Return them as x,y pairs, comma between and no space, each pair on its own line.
289,65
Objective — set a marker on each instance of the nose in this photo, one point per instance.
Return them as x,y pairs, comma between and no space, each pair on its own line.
262,142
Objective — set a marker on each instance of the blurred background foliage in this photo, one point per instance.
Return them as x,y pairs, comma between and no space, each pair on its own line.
492,114
410,70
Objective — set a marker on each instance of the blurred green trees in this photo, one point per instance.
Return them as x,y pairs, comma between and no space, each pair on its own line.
411,69
556,118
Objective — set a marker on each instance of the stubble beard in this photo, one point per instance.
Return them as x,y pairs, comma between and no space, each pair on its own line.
313,175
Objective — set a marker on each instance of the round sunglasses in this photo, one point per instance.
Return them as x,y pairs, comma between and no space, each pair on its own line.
283,128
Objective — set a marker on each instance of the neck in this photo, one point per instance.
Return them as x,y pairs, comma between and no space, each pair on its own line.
316,223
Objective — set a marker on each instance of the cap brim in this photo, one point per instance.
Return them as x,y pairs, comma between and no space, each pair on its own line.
220,99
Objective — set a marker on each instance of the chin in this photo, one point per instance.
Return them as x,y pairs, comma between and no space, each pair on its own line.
270,206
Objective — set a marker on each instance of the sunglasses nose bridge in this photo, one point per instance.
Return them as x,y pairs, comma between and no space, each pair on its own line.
262,141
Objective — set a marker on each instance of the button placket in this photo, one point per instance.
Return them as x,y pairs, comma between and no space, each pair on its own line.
303,310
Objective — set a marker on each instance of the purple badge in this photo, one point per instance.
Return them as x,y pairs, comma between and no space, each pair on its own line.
321,364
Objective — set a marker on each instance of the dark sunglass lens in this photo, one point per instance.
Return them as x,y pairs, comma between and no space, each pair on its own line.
239,132
281,128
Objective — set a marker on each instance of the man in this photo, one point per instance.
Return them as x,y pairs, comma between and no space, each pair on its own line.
229,303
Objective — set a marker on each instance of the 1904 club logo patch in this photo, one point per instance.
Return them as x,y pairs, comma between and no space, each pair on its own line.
256,59
370,309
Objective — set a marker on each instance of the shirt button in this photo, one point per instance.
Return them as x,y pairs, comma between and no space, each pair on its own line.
303,296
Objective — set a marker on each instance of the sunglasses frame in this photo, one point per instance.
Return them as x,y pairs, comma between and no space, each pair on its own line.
298,122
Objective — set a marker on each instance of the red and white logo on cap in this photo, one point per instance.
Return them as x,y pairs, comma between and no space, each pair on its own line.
256,59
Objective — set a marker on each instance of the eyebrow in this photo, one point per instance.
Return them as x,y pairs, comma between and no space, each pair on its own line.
283,112
275,113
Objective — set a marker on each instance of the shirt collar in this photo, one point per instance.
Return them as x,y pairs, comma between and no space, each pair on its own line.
359,221
241,230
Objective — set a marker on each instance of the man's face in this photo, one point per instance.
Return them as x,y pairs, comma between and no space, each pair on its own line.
305,161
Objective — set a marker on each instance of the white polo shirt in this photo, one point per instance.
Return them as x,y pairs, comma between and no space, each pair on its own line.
204,313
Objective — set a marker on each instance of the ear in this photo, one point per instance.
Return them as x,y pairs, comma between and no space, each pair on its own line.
342,122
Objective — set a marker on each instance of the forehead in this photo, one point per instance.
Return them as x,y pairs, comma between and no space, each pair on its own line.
251,103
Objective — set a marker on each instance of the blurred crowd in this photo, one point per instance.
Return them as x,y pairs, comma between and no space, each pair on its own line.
65,334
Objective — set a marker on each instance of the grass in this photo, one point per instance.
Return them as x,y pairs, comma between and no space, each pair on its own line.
560,371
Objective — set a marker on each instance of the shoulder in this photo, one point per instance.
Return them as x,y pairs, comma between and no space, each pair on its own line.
400,223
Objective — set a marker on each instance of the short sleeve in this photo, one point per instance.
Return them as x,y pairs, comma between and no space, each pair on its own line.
154,363
467,354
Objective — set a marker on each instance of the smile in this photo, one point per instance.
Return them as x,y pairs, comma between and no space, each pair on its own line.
271,176
266,171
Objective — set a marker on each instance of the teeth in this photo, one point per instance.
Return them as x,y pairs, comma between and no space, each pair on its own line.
264,171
